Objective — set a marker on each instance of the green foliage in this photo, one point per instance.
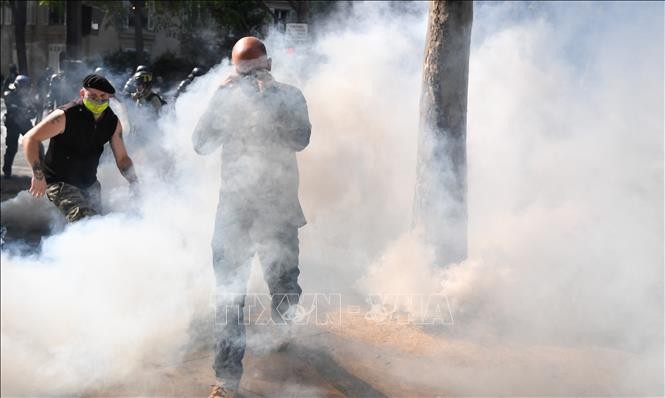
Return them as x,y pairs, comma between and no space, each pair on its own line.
207,30
58,5
239,17
168,66
171,68
120,62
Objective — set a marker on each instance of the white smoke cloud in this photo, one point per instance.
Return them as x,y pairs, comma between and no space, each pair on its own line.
565,144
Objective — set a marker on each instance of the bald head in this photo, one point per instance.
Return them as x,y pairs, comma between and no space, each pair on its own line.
248,48
249,54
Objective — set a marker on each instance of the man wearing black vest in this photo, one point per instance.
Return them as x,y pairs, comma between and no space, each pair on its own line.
78,132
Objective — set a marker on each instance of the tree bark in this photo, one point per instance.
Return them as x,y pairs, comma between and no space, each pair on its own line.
139,6
73,20
440,198
19,11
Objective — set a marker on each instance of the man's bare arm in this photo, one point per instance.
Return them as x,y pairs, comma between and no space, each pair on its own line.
51,126
122,159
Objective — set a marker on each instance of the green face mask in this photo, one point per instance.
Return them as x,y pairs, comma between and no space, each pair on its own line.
94,106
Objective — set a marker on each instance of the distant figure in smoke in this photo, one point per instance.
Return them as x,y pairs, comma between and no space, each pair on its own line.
146,139
129,87
260,124
196,72
20,109
62,87
143,95
42,88
78,133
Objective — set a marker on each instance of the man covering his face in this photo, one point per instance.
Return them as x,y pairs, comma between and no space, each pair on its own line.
260,125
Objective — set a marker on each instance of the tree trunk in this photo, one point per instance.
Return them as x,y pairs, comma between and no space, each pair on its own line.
19,11
440,197
73,20
139,6
302,10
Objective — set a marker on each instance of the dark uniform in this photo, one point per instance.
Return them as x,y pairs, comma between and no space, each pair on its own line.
13,72
130,85
20,111
143,95
260,132
151,100
70,166
196,72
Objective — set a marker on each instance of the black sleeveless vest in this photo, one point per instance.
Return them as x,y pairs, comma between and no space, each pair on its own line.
73,156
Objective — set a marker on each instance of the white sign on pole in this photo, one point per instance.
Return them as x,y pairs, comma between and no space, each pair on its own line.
297,32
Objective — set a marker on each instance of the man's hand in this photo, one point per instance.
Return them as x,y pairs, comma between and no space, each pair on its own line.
51,126
38,183
264,80
37,187
230,79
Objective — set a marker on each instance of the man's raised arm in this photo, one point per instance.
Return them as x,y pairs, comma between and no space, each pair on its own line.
51,126
122,159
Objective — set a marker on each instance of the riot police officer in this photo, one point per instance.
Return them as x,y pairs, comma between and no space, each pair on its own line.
143,94
196,72
129,87
20,109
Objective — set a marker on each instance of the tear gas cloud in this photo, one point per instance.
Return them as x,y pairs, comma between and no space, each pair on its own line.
565,157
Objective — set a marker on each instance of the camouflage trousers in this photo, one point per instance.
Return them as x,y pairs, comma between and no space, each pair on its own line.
75,203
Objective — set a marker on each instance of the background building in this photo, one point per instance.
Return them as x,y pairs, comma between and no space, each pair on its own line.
171,29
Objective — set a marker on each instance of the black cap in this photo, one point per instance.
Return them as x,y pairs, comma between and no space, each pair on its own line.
98,82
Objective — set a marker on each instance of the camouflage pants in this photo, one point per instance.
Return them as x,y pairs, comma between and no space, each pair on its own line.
75,203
